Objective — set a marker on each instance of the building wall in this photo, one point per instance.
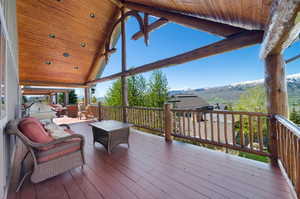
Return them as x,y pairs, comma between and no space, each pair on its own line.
12,90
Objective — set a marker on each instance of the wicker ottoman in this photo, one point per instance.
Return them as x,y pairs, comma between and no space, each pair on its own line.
110,133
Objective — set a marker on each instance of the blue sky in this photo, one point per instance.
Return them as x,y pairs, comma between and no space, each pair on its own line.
172,39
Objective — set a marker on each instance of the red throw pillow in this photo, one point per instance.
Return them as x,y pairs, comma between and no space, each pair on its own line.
34,130
34,119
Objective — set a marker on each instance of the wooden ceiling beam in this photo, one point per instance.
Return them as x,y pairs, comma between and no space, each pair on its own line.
100,58
117,3
292,59
234,42
283,27
151,27
215,28
52,84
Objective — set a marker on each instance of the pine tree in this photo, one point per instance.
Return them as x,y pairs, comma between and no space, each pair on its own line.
158,89
113,95
137,88
61,98
153,94
72,97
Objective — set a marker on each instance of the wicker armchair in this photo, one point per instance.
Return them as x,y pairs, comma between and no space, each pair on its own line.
52,158
81,110
85,111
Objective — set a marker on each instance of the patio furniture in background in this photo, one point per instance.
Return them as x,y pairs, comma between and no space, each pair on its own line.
111,133
89,112
42,111
50,156
72,111
81,110
59,109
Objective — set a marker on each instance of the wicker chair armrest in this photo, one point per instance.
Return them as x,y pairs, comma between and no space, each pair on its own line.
65,125
53,109
57,141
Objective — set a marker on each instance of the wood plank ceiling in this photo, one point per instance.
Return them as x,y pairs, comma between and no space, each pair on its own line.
247,14
42,57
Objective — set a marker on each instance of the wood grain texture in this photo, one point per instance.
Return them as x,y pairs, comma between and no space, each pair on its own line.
43,91
215,28
283,27
71,23
45,83
276,85
247,14
152,168
151,27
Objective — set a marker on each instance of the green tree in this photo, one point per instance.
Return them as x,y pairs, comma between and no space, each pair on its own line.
295,116
137,88
153,94
73,97
24,99
113,95
253,100
61,98
94,99
158,89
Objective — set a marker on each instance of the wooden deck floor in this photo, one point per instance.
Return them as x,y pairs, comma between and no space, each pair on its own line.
152,168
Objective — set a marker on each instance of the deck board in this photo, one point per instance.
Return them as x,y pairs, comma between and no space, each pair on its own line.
151,169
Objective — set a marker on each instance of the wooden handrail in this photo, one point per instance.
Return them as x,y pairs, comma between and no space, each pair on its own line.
288,124
288,149
223,112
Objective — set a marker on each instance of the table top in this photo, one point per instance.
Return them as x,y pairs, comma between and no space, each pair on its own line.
110,125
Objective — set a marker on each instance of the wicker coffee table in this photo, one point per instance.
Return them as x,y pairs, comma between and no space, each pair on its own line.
110,133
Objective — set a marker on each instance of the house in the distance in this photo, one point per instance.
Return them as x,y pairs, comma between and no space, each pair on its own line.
188,101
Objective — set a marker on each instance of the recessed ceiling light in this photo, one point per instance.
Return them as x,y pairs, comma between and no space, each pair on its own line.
92,15
51,35
82,44
66,54
76,67
48,62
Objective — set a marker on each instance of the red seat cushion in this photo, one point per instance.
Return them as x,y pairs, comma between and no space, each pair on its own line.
34,131
60,149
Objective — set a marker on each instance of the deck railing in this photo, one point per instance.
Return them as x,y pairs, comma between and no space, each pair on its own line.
148,118
243,131
256,133
143,117
288,149
111,113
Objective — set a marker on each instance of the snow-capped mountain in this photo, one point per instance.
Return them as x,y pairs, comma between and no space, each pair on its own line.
231,92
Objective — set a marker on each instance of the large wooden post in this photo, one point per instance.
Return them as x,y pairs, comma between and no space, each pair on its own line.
66,99
276,86
100,116
168,122
277,100
56,98
124,66
86,96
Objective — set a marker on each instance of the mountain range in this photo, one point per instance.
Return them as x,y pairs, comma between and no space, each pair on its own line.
231,93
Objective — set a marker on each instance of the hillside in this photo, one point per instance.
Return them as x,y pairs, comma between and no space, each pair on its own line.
231,93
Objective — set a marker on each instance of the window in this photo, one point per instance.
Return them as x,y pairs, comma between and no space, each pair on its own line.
3,73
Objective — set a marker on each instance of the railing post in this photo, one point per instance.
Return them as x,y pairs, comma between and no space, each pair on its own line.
168,122
273,141
124,112
297,183
100,111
